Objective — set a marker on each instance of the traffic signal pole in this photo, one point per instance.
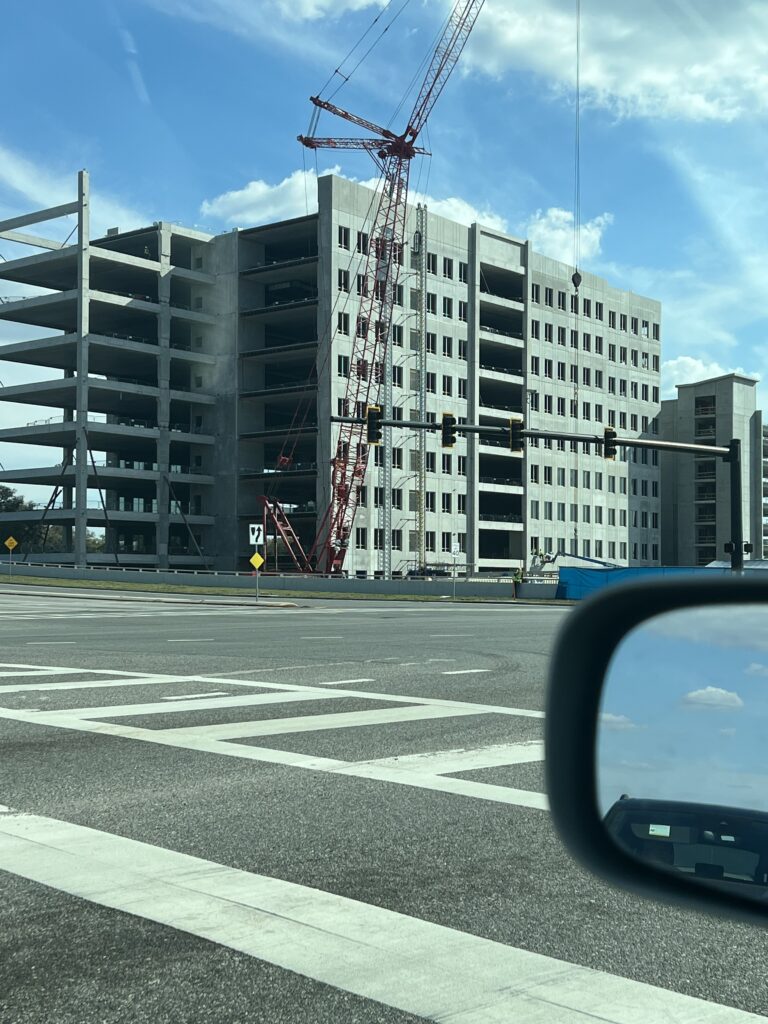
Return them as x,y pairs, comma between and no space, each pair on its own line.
608,440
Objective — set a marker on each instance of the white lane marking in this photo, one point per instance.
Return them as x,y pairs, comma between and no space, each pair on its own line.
283,668
238,700
47,643
27,671
57,669
446,784
168,738
497,709
465,671
420,968
398,698
192,640
196,696
448,636
446,762
343,682
314,723
321,638
98,684
195,740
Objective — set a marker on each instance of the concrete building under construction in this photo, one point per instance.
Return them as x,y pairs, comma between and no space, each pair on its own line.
199,372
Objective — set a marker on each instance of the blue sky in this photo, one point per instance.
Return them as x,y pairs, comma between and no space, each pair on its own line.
188,110
685,709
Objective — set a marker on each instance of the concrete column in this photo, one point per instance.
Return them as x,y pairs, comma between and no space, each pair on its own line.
164,401
473,398
83,327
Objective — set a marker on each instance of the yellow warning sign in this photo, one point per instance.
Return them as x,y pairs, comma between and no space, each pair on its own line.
256,560
11,543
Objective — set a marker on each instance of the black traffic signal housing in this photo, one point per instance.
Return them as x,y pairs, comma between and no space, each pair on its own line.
373,417
448,430
516,435
609,444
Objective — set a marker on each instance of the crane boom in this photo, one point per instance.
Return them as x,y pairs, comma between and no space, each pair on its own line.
447,52
386,237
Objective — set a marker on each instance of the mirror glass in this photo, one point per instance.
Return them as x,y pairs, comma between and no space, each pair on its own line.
682,745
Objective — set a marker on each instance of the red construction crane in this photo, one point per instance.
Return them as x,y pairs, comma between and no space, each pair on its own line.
392,154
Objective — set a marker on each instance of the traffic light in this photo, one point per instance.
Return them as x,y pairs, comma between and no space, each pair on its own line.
373,424
516,435
448,429
609,444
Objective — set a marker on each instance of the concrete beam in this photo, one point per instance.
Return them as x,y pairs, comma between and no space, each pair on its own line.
100,253
41,243
40,215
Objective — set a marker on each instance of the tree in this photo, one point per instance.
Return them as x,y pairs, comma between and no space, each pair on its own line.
32,535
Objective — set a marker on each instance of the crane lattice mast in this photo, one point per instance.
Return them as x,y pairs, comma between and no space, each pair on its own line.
392,154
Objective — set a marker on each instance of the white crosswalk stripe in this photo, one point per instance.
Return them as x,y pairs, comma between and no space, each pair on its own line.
429,769
429,970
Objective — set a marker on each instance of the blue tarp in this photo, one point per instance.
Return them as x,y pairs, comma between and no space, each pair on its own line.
577,583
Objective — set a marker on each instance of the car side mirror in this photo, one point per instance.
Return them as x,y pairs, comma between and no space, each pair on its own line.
656,739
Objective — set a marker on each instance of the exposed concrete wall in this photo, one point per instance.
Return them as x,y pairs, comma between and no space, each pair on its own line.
684,508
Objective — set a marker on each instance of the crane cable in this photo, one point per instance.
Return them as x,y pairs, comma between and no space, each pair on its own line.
346,77
576,278
577,155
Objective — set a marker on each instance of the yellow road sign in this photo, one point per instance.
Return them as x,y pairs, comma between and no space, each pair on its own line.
11,543
256,560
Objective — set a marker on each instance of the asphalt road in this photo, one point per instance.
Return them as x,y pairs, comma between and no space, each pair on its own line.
333,812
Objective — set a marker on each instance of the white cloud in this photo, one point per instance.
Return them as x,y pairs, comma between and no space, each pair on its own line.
617,723
26,185
455,208
742,627
756,669
551,233
258,202
680,59
714,698
688,370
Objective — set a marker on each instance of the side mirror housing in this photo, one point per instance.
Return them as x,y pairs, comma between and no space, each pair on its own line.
656,720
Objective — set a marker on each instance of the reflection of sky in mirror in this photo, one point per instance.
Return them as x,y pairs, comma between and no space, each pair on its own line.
684,712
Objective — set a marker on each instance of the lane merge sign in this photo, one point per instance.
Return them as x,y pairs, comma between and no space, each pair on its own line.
11,543
256,534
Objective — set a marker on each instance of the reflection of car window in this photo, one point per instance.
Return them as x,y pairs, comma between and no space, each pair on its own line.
735,850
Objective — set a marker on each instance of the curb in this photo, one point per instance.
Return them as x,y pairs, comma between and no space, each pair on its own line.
142,595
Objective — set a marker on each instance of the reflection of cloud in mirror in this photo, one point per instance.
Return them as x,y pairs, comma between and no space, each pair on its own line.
696,680
616,722
714,699
711,627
